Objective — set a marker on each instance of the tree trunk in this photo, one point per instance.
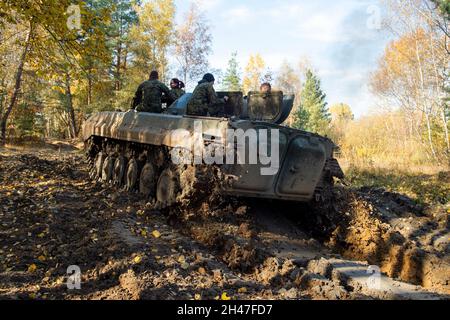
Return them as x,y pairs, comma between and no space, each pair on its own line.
118,63
430,138
2,97
125,58
185,76
444,121
427,110
70,110
89,93
440,85
17,85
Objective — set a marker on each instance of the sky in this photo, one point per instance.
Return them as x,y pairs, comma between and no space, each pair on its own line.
342,40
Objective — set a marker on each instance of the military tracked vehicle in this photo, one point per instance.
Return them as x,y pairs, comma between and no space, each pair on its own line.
136,151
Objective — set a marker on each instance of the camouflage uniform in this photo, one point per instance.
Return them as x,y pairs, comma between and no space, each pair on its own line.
204,101
148,97
177,92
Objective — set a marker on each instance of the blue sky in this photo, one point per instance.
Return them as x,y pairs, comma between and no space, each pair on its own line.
340,38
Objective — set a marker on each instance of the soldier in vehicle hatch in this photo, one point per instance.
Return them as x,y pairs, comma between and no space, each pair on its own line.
204,100
150,94
265,88
176,87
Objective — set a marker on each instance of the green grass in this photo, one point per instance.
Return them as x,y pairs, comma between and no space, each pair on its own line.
428,189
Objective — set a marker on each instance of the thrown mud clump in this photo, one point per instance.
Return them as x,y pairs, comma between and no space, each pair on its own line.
129,282
362,235
275,272
241,256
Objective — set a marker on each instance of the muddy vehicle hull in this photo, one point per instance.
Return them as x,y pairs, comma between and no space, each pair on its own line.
121,146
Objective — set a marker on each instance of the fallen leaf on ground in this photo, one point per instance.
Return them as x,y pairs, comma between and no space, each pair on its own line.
202,270
184,265
32,268
225,297
156,234
137,259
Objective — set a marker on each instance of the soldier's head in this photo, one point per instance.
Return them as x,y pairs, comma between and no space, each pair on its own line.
174,83
265,88
154,75
208,78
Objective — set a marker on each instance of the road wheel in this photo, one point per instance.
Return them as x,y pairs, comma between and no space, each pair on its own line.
167,188
107,169
99,160
147,181
119,171
132,175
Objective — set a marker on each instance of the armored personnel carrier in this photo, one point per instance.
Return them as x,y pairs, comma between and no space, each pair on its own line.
162,156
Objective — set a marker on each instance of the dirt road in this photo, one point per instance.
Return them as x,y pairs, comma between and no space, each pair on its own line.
53,216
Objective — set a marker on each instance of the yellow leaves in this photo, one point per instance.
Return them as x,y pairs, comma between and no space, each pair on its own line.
137,259
185,266
242,290
341,112
253,73
155,27
144,233
58,89
182,261
225,297
42,258
41,235
156,234
197,296
202,270
32,268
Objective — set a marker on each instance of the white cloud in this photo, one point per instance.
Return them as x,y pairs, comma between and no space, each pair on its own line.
333,34
241,14
307,21
207,5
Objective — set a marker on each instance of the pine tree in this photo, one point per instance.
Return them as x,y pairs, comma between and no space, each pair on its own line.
444,6
123,17
312,114
232,79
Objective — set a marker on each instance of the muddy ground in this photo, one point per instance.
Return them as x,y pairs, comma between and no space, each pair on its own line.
53,216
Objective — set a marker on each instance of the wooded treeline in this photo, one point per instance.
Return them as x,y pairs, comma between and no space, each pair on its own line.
62,60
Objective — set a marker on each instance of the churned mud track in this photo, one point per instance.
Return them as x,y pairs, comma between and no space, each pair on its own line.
52,216
407,241
276,244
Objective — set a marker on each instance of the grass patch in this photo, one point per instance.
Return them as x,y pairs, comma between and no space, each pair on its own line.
426,189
